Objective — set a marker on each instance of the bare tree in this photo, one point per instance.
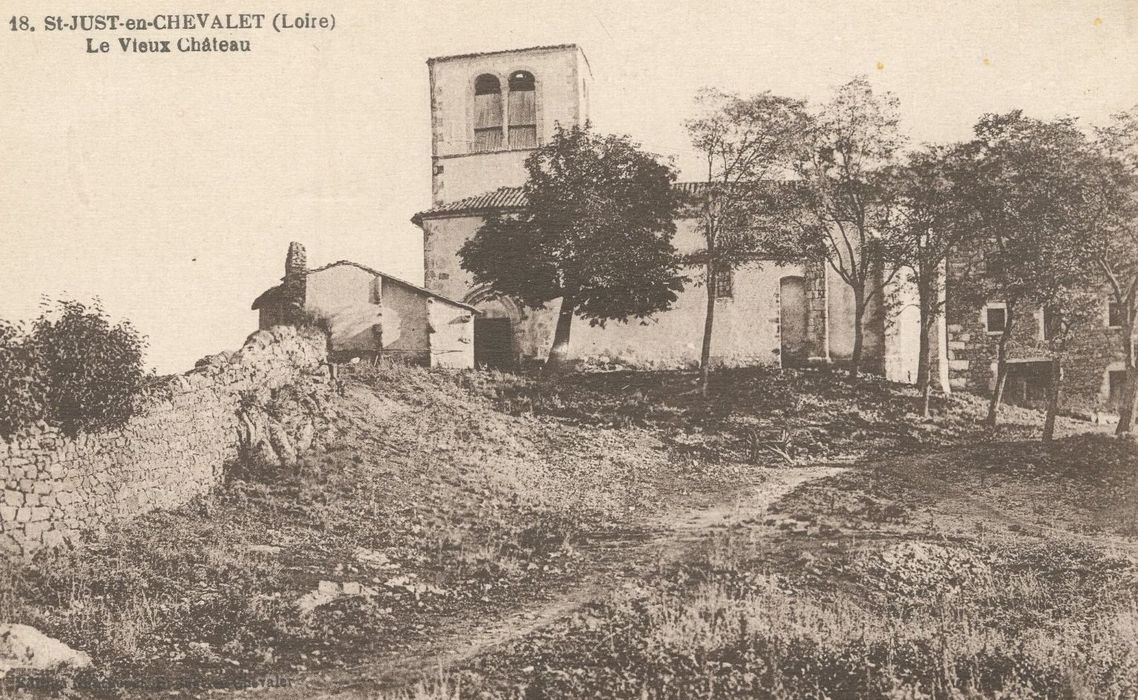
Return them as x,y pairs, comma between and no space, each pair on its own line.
845,213
745,142
931,223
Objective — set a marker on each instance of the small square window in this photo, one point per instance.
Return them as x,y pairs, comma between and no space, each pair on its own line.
1114,314
995,318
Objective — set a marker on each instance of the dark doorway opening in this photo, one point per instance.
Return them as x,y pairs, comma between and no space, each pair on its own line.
493,343
1028,384
792,321
1117,384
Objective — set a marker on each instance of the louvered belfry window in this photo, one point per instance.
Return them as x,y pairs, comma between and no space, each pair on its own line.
523,111
487,114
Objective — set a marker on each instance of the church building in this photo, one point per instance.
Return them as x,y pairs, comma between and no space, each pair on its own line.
489,111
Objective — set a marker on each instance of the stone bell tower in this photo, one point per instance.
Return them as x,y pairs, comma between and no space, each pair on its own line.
489,111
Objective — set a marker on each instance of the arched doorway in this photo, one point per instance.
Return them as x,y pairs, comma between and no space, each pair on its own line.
792,320
494,342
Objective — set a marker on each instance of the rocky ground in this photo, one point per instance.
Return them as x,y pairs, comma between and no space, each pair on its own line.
600,535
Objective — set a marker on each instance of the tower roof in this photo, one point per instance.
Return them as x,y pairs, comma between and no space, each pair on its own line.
528,49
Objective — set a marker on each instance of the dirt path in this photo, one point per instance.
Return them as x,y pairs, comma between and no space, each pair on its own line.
612,563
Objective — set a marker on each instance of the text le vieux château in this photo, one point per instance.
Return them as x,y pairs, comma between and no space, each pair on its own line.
185,22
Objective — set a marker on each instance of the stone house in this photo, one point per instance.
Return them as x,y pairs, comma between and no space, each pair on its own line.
1093,371
368,313
489,111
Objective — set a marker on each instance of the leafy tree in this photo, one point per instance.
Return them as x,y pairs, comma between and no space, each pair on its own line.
1068,312
844,213
1113,233
1029,194
597,233
92,370
931,222
744,141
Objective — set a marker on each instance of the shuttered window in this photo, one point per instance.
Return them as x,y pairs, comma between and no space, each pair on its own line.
487,114
522,111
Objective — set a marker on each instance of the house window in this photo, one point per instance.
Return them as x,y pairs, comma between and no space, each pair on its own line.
725,283
995,319
522,114
487,114
1115,314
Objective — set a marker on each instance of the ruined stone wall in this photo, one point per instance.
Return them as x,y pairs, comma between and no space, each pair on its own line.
972,350
57,488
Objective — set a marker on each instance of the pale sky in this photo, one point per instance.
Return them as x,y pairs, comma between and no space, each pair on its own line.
170,185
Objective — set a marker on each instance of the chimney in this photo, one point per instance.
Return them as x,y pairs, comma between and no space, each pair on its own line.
295,285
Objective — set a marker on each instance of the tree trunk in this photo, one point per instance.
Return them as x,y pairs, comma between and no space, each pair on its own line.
1130,390
924,349
923,355
1001,370
1053,399
926,400
859,333
1129,403
559,353
708,322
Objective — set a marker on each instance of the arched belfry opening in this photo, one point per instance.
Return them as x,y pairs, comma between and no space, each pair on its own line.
487,113
523,110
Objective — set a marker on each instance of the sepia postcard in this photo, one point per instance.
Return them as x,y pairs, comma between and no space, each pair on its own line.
649,349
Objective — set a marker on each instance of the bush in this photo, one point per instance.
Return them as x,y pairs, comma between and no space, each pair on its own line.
21,383
74,370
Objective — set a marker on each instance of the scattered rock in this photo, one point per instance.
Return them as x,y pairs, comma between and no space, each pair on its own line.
264,549
370,557
328,591
26,647
202,651
408,583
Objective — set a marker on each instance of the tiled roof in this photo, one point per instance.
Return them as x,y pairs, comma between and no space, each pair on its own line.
507,198
501,198
269,294
550,47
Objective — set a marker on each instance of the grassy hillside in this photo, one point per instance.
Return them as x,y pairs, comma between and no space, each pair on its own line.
988,572
449,504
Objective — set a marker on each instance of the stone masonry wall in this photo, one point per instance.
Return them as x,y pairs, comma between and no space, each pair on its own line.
972,350
57,488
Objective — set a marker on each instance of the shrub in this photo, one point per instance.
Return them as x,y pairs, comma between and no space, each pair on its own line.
94,370
74,370
21,383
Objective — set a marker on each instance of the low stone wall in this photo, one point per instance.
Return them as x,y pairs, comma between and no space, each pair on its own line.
57,488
